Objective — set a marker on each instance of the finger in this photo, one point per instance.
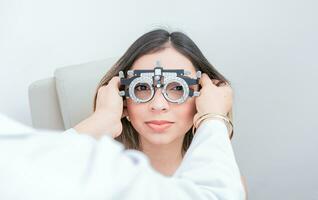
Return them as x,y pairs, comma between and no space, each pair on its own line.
223,84
101,89
205,81
215,81
115,81
219,83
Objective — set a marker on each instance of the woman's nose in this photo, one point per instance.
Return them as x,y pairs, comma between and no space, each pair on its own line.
158,102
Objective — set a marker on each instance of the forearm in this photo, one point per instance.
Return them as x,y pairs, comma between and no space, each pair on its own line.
99,124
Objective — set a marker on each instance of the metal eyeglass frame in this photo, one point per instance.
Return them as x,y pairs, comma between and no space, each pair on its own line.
154,79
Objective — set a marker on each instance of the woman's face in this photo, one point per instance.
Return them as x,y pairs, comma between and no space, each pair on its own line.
158,108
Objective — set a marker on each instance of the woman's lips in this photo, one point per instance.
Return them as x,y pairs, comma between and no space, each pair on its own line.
159,126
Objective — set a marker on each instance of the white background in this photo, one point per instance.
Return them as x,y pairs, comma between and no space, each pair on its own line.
268,50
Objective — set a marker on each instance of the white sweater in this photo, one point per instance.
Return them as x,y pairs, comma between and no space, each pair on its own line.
43,165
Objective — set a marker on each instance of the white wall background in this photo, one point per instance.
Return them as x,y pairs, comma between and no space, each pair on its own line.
268,49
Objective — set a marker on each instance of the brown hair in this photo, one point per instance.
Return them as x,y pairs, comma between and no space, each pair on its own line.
151,42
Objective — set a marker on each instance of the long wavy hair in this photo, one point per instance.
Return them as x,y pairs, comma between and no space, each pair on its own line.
151,42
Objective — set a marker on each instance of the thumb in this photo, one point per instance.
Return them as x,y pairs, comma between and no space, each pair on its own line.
115,82
205,81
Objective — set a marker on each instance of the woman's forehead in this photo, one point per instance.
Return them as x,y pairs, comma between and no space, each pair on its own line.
169,58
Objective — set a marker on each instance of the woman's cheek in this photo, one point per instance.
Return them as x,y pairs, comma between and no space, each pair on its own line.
190,108
185,115
136,113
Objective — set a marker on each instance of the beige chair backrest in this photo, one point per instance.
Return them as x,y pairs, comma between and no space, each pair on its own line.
60,102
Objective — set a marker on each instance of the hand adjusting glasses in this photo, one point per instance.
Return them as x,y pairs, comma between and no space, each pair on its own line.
140,84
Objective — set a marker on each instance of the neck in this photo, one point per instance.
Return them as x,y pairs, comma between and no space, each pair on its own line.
165,158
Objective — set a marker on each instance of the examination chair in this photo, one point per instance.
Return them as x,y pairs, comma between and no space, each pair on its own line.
62,101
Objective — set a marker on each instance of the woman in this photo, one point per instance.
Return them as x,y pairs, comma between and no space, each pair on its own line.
140,128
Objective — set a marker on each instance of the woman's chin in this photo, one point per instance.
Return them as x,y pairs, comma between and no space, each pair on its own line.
158,139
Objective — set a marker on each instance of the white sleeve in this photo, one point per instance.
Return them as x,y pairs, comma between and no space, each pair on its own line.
208,171
71,131
76,166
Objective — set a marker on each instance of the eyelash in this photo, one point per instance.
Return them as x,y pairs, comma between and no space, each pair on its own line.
139,87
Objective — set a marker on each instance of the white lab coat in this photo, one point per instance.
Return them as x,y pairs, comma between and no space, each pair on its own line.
45,165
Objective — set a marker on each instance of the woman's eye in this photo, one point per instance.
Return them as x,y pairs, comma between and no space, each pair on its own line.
179,88
141,87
